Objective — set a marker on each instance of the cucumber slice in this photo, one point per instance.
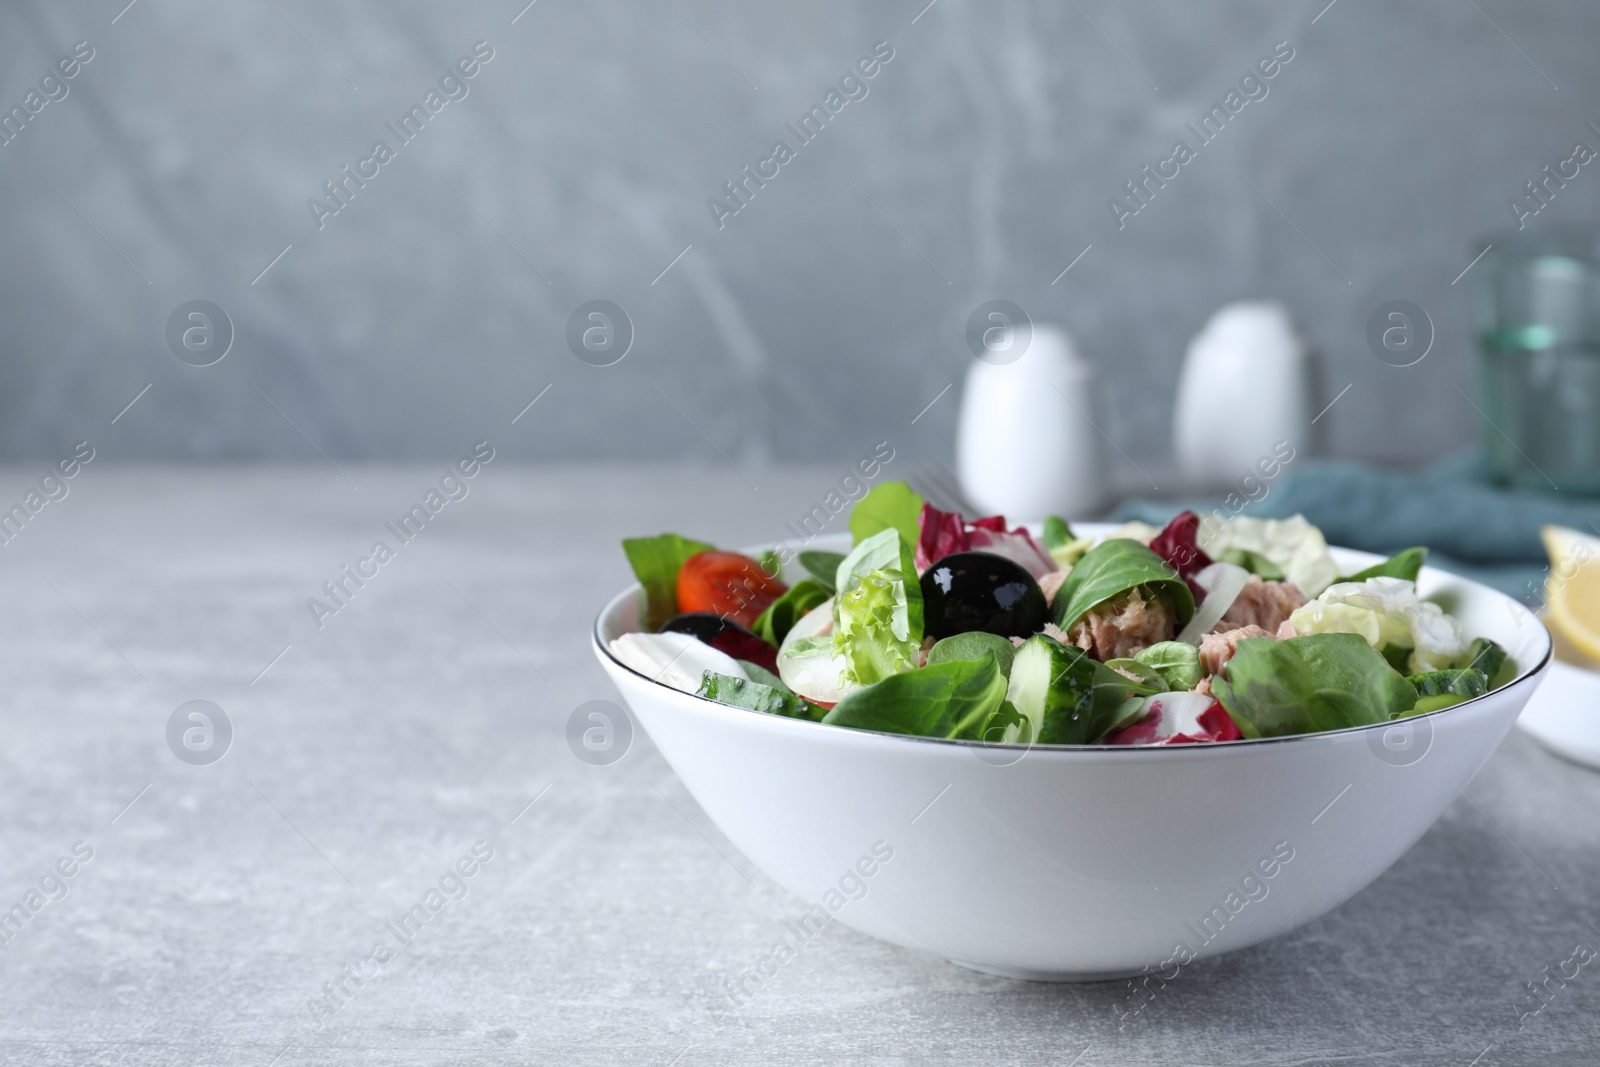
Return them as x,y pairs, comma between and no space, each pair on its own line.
1066,696
1467,682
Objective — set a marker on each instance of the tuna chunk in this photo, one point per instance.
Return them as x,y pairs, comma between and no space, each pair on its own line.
1264,604
1050,584
1216,649
1122,627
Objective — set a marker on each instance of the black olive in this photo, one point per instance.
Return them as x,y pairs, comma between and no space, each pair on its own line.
967,591
707,626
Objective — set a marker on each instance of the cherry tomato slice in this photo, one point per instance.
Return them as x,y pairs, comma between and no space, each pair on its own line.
727,583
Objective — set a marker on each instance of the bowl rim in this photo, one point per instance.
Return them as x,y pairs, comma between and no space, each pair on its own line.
1533,674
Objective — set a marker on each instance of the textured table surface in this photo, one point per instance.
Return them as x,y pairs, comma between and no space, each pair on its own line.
428,711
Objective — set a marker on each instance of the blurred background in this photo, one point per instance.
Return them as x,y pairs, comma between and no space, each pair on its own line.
434,304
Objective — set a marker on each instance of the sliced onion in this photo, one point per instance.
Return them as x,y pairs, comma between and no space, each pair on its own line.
1177,718
817,676
815,623
1223,582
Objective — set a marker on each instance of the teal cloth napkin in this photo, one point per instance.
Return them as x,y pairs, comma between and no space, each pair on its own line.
1481,530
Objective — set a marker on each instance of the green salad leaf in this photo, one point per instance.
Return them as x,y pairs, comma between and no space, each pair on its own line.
1148,677
773,625
954,699
972,646
823,566
877,630
878,611
738,693
1056,533
884,550
1178,663
1406,564
656,562
889,506
1112,568
760,674
1006,726
1308,684
1254,562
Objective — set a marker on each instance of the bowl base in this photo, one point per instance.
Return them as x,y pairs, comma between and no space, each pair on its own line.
1024,975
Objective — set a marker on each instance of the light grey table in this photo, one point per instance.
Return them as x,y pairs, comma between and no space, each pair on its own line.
368,756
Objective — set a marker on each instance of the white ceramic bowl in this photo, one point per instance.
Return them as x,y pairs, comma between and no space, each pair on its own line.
1080,863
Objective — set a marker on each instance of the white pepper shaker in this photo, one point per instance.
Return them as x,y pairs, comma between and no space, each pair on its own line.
1025,445
1246,385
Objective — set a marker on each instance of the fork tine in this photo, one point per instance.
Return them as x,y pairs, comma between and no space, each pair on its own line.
953,491
931,483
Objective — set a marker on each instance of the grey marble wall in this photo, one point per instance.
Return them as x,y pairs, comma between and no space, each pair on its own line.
577,162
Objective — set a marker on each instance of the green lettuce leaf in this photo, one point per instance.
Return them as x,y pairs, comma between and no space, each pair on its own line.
1148,677
972,646
1178,663
955,699
878,610
773,625
1293,544
760,674
1056,533
1006,726
1254,562
1404,564
823,566
884,550
889,506
1308,684
875,629
656,562
738,693
1110,569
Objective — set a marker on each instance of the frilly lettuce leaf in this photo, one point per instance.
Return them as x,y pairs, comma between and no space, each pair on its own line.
1387,613
1293,544
877,632
884,550
878,612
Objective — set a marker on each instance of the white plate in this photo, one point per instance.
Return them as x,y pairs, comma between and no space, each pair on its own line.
1564,715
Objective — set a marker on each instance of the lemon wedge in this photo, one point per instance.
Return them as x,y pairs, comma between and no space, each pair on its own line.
1572,591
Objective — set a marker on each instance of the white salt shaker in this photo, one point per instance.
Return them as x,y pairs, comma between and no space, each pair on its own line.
1025,445
1247,384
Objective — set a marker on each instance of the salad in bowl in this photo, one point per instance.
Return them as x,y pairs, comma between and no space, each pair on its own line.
935,625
